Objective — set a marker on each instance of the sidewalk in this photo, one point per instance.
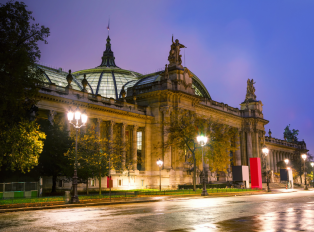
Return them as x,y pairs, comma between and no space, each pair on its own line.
139,199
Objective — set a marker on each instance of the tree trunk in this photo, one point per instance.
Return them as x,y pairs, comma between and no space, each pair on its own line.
87,187
54,184
99,184
194,173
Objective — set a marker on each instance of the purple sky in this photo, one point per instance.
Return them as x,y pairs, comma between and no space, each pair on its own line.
227,43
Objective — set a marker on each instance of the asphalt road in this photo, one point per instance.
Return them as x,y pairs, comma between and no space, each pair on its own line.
273,212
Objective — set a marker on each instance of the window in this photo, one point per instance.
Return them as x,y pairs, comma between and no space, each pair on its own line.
139,140
92,183
119,182
60,184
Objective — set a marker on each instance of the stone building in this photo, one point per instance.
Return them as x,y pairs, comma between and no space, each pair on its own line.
135,105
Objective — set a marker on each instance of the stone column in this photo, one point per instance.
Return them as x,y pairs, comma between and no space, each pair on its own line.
167,151
123,126
134,146
97,128
110,139
249,146
243,148
275,160
147,147
271,160
237,153
51,115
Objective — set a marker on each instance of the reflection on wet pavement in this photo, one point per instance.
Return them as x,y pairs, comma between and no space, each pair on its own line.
292,219
274,212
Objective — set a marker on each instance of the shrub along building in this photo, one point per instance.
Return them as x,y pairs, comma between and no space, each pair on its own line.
133,106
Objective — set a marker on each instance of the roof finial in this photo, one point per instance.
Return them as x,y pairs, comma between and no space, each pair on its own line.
108,27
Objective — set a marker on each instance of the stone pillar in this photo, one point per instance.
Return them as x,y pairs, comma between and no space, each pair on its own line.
249,146
51,115
134,146
97,128
110,139
147,147
123,126
237,153
271,160
275,160
167,151
243,148
257,145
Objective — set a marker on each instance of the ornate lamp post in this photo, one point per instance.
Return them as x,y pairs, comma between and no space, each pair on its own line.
202,140
312,164
159,163
265,151
304,158
79,120
287,161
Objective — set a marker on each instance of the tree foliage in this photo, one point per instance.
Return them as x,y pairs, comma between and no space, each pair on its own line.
97,155
52,161
290,135
19,78
26,142
182,130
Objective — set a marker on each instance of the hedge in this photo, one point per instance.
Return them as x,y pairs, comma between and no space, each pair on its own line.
199,186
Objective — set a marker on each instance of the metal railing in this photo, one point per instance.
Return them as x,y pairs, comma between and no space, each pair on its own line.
18,190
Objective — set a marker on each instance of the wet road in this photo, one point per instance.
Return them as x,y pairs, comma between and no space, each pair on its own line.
274,212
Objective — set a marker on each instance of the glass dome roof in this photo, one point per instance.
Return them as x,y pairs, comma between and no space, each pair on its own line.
59,77
199,87
107,79
107,82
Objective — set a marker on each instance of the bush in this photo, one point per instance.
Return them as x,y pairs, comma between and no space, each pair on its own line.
199,186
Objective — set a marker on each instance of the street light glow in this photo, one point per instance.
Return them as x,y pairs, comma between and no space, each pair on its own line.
312,164
77,115
159,162
304,156
202,140
265,150
70,115
286,161
84,118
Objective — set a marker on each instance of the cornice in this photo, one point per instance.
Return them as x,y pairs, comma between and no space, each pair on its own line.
86,105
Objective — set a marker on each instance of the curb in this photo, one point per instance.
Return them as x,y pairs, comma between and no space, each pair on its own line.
62,206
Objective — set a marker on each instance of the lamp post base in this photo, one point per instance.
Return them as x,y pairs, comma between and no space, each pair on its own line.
75,199
305,187
267,189
204,193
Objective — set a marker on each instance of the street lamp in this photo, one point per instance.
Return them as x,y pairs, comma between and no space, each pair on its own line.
286,161
202,140
80,120
159,163
265,151
288,184
312,164
304,158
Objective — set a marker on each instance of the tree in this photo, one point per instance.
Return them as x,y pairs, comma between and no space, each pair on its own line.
26,142
291,136
19,79
182,130
97,155
52,161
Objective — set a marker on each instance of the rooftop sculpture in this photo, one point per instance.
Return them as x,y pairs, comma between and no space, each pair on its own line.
174,54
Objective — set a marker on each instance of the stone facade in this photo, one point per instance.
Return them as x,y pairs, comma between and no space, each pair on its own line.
143,106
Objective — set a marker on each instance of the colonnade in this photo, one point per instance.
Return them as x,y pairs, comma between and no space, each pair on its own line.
132,130
275,156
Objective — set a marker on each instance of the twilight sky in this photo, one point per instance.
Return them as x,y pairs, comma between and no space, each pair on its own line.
227,42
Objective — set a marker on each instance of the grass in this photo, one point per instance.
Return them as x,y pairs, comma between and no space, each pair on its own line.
119,194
